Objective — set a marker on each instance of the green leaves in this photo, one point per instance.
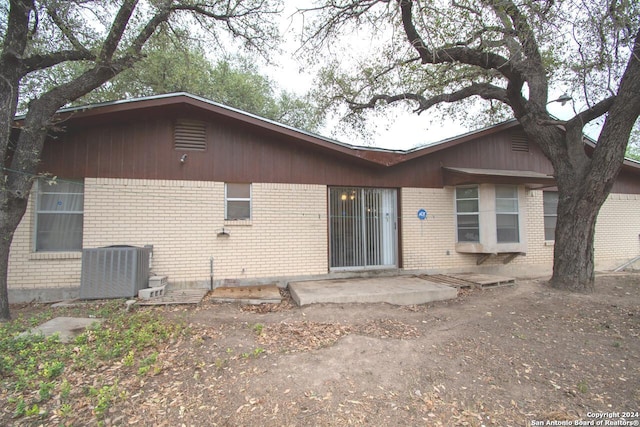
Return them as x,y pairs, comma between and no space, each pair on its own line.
41,374
530,46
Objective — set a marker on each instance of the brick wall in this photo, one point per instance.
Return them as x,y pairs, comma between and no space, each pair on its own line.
430,244
618,231
30,270
287,235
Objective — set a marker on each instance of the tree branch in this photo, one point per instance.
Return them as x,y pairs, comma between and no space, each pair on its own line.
463,54
534,65
484,90
622,114
117,30
595,111
161,16
14,44
66,31
233,12
17,32
40,62
353,10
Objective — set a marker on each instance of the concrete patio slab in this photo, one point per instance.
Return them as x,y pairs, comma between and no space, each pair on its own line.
67,328
398,290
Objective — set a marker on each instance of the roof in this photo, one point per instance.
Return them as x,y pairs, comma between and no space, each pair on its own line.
372,155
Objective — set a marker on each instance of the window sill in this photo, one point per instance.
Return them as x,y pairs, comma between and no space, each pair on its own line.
549,242
237,222
55,255
494,248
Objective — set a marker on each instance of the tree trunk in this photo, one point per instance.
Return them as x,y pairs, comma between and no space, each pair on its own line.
11,211
573,266
585,184
583,187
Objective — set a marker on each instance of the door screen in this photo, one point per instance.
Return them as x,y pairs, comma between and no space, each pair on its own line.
363,227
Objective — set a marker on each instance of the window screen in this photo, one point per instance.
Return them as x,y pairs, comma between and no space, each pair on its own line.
59,216
507,214
237,201
467,214
550,201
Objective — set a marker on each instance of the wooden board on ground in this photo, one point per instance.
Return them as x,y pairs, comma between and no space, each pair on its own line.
470,280
261,294
485,280
177,296
449,280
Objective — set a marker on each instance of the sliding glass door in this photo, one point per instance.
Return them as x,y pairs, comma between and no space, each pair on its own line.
362,228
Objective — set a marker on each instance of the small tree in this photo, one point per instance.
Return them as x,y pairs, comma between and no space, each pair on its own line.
510,55
104,38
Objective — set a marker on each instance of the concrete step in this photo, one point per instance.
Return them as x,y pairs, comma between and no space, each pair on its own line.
398,290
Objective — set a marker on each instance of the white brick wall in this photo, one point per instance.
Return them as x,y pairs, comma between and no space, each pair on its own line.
430,244
181,219
287,235
618,230
29,270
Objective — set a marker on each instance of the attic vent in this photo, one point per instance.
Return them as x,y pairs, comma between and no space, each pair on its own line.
519,142
190,135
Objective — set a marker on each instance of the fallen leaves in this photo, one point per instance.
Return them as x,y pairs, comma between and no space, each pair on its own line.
290,337
540,354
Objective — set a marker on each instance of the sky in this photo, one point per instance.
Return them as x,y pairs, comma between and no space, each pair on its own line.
399,132
403,130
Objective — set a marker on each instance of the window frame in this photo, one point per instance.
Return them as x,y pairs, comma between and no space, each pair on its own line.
228,199
488,220
506,213
40,185
549,215
469,213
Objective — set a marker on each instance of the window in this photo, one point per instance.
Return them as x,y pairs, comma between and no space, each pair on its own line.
507,214
550,202
59,216
489,220
467,214
237,201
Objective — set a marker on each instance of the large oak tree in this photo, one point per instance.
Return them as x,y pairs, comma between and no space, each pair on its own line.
175,62
505,56
104,38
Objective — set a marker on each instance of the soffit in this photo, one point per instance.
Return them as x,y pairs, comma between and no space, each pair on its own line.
462,176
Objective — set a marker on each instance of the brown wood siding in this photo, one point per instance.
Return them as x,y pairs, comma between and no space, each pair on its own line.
237,152
627,183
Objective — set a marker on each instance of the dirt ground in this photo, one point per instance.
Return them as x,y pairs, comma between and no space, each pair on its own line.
508,356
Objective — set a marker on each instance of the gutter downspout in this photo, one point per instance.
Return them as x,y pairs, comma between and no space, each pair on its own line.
211,273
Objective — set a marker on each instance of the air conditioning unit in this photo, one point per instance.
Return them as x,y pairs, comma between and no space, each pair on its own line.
114,272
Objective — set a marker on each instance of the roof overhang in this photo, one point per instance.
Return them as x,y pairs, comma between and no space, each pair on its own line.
376,157
530,179
187,103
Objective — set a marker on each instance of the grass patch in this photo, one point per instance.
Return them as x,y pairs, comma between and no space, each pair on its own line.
44,376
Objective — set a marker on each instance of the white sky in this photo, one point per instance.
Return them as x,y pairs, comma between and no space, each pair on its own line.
403,130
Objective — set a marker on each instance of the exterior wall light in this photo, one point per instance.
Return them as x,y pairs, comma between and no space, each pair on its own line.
563,99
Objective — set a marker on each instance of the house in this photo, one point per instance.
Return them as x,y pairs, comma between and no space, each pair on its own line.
229,197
